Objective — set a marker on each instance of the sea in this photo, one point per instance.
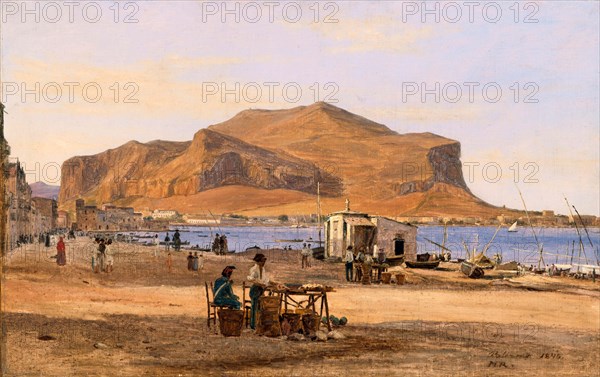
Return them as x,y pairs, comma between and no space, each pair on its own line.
558,245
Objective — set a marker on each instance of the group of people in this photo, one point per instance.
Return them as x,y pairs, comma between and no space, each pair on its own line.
306,255
219,245
176,241
194,262
359,262
103,260
258,277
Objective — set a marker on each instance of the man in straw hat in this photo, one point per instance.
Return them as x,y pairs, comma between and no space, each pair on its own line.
259,279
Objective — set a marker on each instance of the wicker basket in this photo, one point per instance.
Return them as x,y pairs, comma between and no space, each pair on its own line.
231,322
386,277
295,321
400,279
310,323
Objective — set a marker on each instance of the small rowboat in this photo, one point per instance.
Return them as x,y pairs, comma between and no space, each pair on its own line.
430,265
471,270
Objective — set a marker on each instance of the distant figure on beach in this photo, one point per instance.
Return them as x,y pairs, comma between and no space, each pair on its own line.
349,259
190,261
196,262
306,254
156,245
108,256
223,248
61,255
101,256
216,246
167,242
169,261
47,241
177,240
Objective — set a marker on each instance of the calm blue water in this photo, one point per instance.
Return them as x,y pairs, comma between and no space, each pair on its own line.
519,246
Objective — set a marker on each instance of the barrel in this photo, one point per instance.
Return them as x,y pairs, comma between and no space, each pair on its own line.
400,279
386,277
268,316
231,322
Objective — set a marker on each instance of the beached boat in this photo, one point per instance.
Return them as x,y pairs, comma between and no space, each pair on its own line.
395,260
513,227
471,270
318,252
429,265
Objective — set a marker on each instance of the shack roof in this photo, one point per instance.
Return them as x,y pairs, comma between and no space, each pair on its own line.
358,221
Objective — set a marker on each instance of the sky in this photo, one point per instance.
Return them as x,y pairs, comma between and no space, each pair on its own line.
517,83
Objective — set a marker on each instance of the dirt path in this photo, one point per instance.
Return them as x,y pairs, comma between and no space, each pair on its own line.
153,322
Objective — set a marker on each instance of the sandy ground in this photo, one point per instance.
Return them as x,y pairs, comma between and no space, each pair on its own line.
153,322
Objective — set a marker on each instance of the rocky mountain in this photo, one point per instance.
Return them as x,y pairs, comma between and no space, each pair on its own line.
269,162
44,190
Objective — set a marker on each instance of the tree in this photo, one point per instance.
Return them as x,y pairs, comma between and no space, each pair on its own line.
283,218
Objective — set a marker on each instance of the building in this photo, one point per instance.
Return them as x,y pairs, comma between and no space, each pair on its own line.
164,214
4,152
18,197
63,220
47,214
360,230
111,218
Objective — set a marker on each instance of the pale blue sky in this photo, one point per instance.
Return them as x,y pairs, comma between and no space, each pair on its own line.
369,53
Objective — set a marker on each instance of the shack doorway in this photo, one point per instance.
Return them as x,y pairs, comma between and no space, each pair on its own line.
398,247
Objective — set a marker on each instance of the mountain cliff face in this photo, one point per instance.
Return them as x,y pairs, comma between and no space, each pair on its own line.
273,160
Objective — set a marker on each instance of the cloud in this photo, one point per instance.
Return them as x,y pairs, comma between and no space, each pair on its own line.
377,33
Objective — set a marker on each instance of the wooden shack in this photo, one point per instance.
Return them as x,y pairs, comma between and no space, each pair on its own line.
345,228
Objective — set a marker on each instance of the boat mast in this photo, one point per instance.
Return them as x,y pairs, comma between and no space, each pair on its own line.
588,236
541,260
319,209
581,247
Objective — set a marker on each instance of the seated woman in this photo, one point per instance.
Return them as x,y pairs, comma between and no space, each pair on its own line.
223,290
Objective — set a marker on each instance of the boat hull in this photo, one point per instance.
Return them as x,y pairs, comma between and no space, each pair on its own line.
471,270
429,265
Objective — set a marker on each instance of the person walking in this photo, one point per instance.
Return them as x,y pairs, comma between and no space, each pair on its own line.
195,262
100,257
167,242
190,261
177,240
169,261
108,256
349,259
156,245
61,256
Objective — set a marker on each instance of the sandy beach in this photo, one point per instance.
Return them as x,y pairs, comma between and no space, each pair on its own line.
152,322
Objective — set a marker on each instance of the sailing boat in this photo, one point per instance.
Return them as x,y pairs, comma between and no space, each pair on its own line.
473,267
513,227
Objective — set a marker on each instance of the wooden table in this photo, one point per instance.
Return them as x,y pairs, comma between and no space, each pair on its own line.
376,270
289,298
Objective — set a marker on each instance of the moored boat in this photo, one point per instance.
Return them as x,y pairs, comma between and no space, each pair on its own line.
430,265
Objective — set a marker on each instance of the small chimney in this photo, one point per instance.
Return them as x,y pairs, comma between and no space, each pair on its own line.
347,205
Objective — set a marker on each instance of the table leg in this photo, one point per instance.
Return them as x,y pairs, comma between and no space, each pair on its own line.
324,298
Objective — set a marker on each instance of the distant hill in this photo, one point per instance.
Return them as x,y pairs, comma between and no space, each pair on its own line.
43,190
269,162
